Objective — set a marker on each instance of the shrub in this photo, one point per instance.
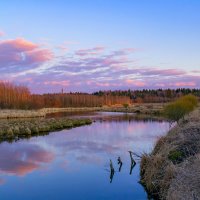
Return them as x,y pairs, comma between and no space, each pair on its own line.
176,156
190,99
182,106
126,105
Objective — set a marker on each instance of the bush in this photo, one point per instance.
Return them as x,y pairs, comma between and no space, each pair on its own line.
126,105
182,106
176,156
190,99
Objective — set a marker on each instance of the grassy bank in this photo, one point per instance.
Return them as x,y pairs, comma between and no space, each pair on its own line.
144,108
172,170
15,129
139,108
13,114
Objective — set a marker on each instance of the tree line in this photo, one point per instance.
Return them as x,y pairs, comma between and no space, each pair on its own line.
62,100
151,96
12,96
20,97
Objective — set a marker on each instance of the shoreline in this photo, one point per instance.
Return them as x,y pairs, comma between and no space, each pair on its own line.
14,130
144,108
171,171
15,124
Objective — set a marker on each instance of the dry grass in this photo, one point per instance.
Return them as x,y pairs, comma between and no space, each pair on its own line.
173,165
186,185
15,129
10,114
144,108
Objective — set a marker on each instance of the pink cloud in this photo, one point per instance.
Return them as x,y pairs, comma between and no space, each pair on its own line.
103,84
112,61
89,82
17,45
89,52
185,84
20,54
57,83
40,55
135,83
94,69
162,72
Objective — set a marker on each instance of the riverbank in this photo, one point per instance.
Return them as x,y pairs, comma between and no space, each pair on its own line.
144,108
172,170
16,129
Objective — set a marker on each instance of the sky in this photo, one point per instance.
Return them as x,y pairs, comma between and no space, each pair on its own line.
91,45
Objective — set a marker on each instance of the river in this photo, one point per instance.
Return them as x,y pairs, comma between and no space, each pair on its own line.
74,164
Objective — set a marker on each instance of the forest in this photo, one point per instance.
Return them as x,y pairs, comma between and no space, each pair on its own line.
151,96
19,97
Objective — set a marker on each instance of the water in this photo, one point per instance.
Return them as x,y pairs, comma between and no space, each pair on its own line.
74,164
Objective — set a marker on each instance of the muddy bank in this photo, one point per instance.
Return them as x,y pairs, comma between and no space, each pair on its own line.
146,109
16,129
172,170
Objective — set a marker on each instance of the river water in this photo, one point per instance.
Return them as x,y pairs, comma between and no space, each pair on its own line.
75,164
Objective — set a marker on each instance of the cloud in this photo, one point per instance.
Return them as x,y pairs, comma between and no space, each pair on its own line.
135,83
38,56
20,54
185,84
85,70
162,72
89,52
100,77
55,83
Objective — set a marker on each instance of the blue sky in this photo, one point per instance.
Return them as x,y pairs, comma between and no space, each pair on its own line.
163,36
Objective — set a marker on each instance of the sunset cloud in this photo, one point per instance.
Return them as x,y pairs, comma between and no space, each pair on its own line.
89,52
17,45
185,84
163,72
54,83
85,70
135,83
20,54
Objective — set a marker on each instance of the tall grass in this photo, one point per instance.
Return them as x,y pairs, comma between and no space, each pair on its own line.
182,106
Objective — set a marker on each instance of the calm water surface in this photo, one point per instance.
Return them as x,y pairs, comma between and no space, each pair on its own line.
74,164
